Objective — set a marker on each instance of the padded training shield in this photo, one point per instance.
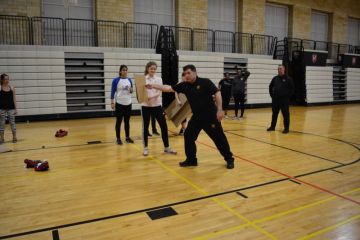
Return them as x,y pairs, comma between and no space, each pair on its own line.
178,113
141,93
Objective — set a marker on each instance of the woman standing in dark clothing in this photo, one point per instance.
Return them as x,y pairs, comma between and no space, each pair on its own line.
7,106
238,90
225,85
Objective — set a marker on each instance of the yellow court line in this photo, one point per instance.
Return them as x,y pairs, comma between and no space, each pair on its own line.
277,215
328,229
216,200
297,209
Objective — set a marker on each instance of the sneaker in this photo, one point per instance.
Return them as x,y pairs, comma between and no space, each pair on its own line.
149,135
234,117
187,163
170,151
181,132
226,117
14,140
285,131
230,165
31,163
43,166
119,142
129,140
146,152
270,129
156,133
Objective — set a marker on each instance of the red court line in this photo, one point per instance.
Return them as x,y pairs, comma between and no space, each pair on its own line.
288,176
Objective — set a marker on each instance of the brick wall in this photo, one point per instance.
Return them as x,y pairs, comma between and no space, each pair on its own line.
20,7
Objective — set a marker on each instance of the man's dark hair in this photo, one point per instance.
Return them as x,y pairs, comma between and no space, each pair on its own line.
189,66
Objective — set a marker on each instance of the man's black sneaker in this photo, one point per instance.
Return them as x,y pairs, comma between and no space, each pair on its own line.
230,165
187,164
270,129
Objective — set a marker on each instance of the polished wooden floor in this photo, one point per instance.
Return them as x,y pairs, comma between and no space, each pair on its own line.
304,185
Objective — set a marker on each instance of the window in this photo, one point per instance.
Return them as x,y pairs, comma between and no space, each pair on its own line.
222,15
78,32
276,21
354,32
160,12
319,29
83,9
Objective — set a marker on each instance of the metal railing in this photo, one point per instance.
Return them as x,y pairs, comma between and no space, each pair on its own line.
111,34
203,40
183,37
15,30
141,35
284,48
18,30
47,31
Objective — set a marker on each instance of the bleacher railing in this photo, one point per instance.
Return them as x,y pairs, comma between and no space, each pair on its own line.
17,30
284,48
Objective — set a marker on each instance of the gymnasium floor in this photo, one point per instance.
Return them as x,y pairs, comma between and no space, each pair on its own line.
304,185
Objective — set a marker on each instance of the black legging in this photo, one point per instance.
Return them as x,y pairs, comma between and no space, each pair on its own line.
225,100
153,124
239,99
158,113
122,111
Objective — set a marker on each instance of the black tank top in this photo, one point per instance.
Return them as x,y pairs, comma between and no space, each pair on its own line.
7,99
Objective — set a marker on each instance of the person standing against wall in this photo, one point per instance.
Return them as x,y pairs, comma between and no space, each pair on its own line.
238,90
281,89
225,86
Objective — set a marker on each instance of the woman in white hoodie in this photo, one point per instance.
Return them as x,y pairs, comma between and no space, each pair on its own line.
152,107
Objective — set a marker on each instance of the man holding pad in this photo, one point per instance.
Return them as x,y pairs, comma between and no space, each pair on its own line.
206,115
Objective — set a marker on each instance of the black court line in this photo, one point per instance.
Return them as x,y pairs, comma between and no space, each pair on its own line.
171,204
241,194
290,149
55,235
296,182
355,145
185,201
336,171
71,145
94,142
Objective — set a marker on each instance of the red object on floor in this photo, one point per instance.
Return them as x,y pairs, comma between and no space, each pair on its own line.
31,163
42,166
61,133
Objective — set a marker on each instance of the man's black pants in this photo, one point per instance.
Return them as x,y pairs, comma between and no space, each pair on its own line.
214,130
283,105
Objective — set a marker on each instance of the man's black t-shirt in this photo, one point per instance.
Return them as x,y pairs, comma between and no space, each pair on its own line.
225,86
200,97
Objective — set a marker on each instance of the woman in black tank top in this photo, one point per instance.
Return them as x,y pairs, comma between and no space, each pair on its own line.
7,106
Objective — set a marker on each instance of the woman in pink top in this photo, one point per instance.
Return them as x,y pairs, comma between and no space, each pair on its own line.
152,107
